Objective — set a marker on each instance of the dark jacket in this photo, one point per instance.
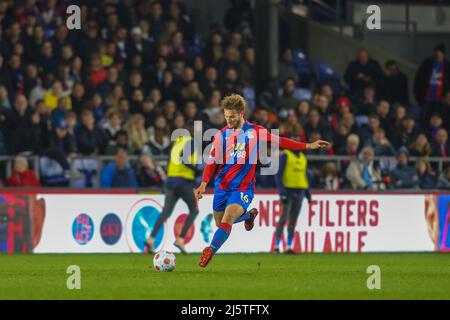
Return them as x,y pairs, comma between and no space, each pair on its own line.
405,175
21,134
394,88
438,150
372,68
422,79
90,141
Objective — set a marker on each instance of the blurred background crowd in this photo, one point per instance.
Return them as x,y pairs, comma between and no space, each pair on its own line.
140,69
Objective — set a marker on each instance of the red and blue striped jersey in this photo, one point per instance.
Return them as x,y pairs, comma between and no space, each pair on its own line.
235,153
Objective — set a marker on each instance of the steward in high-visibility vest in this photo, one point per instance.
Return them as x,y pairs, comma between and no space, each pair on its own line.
180,164
293,186
181,174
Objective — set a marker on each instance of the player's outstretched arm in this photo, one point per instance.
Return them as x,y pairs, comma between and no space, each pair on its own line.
318,144
289,144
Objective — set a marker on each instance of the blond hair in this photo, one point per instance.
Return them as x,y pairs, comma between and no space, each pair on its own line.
137,134
234,102
353,138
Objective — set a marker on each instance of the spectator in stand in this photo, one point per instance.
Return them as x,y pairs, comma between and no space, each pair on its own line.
192,93
432,80
149,175
287,99
445,110
348,119
381,145
107,85
21,175
178,121
190,113
408,133
316,123
91,140
366,131
159,138
4,98
427,178
210,82
261,117
383,112
362,71
351,147
148,112
139,46
435,125
291,128
52,96
343,107
123,108
118,174
47,61
88,42
394,84
61,141
444,180
363,173
404,176
248,68
112,124
340,135
78,98
178,50
214,49
441,147
327,91
22,130
303,108
231,83
137,134
330,177
58,114
323,107
120,141
286,67
421,147
231,60
399,115
169,109
12,76
31,79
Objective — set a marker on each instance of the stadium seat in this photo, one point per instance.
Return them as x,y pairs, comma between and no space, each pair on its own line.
326,74
299,93
52,173
250,96
303,67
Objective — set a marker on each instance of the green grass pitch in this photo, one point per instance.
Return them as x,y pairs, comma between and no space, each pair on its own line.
228,276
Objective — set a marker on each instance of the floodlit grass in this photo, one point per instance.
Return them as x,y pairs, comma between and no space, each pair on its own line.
228,276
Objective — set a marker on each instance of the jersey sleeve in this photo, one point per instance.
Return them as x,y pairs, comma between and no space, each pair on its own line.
285,143
213,159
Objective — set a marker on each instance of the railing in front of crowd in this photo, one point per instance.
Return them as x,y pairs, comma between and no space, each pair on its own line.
94,164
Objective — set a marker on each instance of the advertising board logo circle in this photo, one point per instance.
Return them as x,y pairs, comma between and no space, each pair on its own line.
83,228
111,229
139,224
178,226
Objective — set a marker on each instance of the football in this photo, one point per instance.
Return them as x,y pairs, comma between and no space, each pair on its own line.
164,261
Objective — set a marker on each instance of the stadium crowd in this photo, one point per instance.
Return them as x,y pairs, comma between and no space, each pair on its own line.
139,69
